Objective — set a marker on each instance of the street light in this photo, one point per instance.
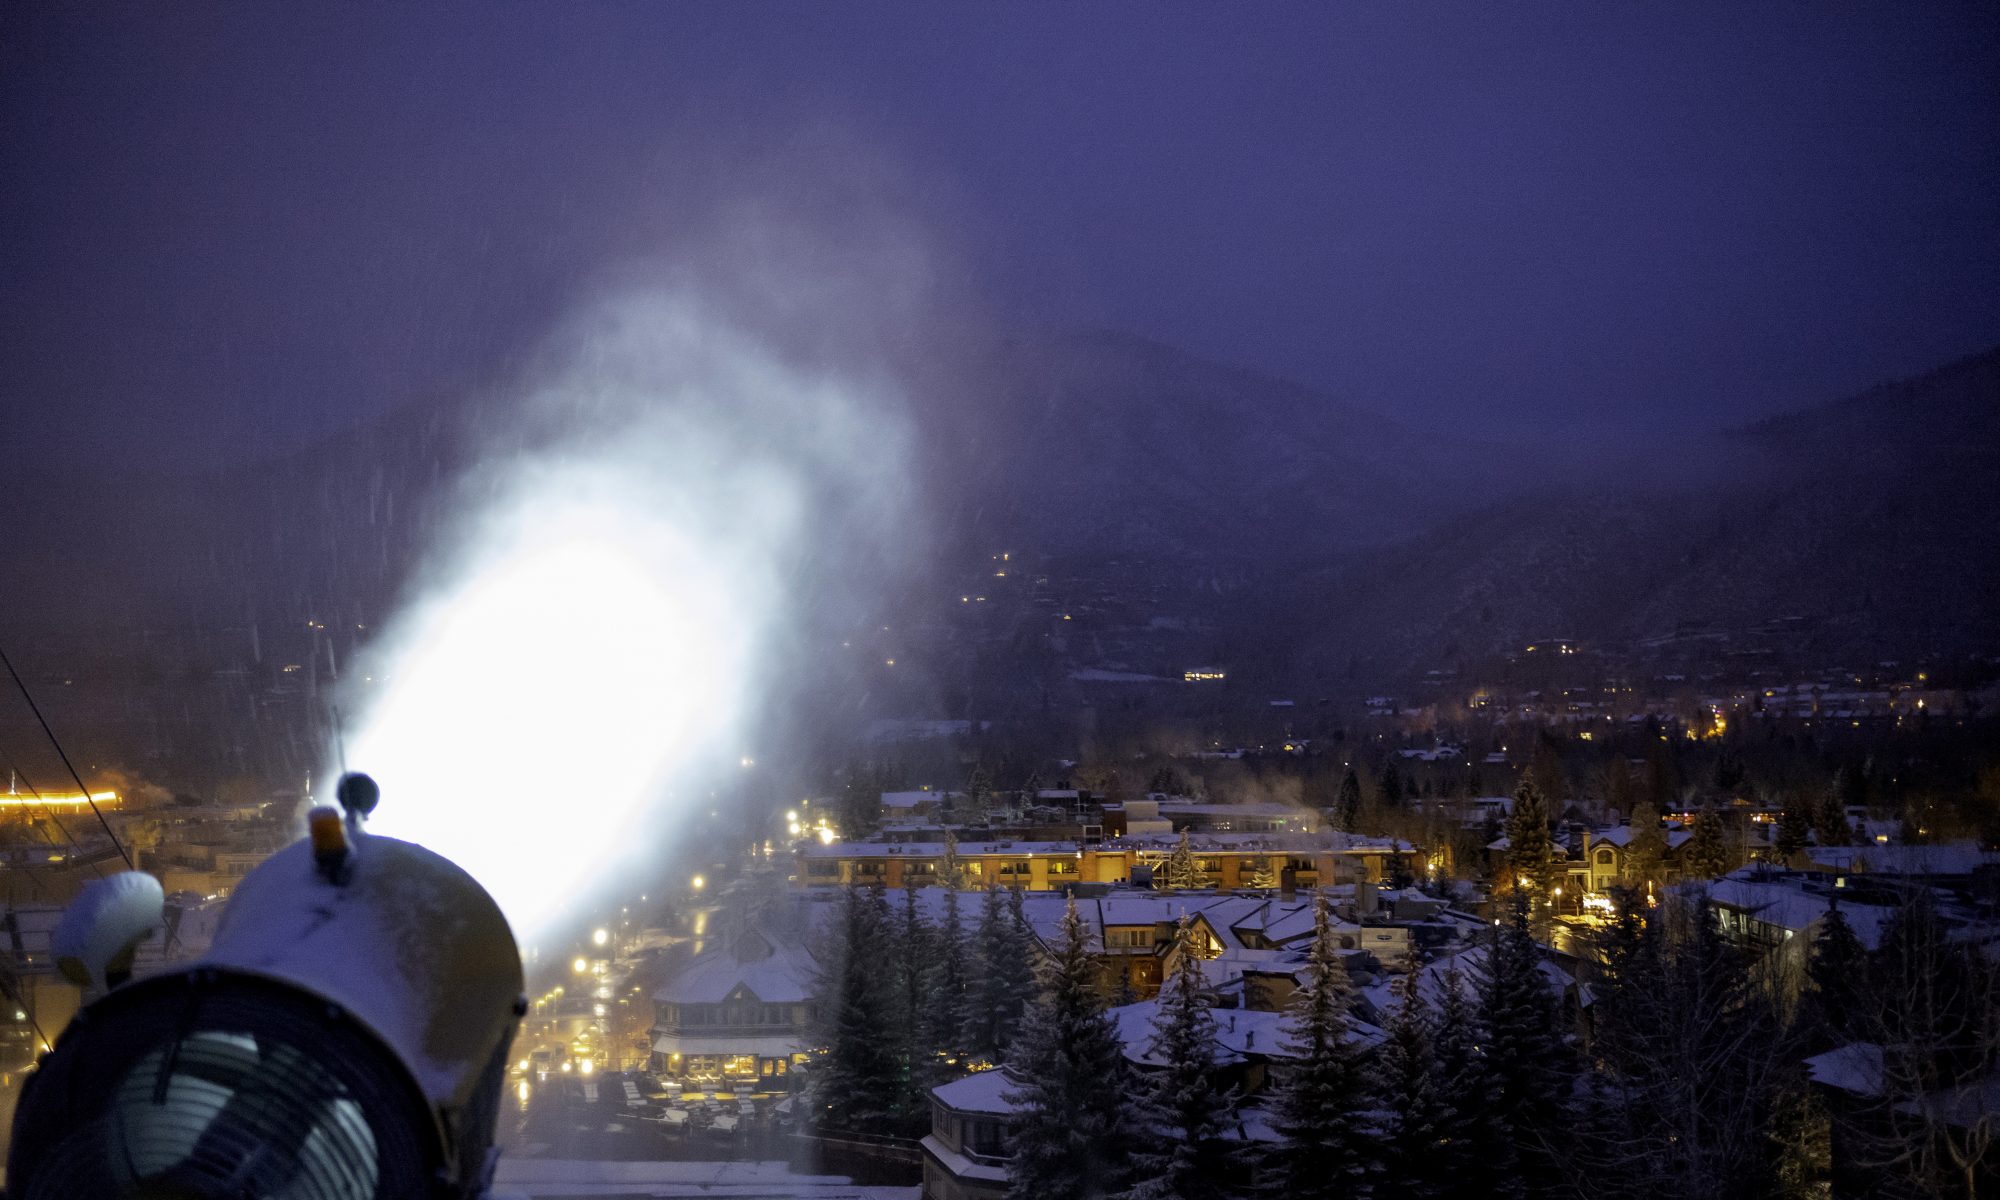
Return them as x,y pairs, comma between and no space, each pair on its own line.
600,937
579,966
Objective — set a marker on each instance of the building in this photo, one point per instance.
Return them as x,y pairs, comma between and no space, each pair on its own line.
965,1153
1225,861
740,1012
1607,856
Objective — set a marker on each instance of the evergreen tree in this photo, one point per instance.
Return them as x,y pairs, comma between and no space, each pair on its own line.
1390,790
1399,874
1349,803
1070,1137
915,946
1705,856
1522,1048
1000,965
1695,1066
1728,773
1262,877
1837,972
1179,872
946,1002
1794,827
857,1082
957,873
1182,1104
1831,827
1625,972
859,809
978,797
1851,786
1663,778
1617,787
1482,1150
1546,769
1325,1151
1530,852
1646,852
1165,781
1419,1147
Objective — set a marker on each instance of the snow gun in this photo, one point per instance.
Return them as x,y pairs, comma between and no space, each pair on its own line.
345,1037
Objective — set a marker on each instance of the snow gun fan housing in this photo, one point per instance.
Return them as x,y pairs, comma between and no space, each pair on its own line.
346,1038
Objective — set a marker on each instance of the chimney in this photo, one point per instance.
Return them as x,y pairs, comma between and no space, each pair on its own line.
1288,884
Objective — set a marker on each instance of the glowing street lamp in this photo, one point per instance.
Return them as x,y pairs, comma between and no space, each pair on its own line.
579,966
600,937
698,883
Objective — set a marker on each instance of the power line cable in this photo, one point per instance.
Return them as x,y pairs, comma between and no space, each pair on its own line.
61,753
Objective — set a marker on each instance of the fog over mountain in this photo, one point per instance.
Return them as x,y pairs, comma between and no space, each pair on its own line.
1356,534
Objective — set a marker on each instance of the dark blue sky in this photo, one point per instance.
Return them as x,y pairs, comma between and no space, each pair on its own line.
227,228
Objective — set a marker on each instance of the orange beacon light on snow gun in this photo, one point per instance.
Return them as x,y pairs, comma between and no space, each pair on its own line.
345,1038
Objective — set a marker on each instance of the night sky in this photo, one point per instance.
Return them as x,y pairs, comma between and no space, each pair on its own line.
227,229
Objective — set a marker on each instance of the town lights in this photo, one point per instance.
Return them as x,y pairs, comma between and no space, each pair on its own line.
579,966
697,883
599,937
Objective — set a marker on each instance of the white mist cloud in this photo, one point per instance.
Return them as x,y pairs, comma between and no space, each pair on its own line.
686,492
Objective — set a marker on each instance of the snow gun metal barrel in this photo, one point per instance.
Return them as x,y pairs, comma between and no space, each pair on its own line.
346,1036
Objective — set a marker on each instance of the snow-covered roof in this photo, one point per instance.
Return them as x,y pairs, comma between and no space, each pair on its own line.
1469,961
911,799
1169,808
774,970
1240,1033
1855,1067
982,1092
1945,858
1621,836
763,1047
1783,901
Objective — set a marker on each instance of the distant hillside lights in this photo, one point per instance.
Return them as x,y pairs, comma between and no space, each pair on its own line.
1205,675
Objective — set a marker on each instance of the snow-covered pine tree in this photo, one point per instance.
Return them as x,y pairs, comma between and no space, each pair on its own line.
1348,805
856,1079
945,999
1693,1066
956,873
1704,855
999,968
915,945
1480,1151
1522,1048
1417,1145
1830,825
1181,1105
1530,858
1322,1116
1071,1134
1795,823
1646,852
1179,871
1263,876
1837,970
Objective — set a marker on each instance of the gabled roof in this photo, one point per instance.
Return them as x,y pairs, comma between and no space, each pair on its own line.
1241,1034
982,1092
772,969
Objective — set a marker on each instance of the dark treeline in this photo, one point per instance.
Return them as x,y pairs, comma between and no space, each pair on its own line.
1680,1066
